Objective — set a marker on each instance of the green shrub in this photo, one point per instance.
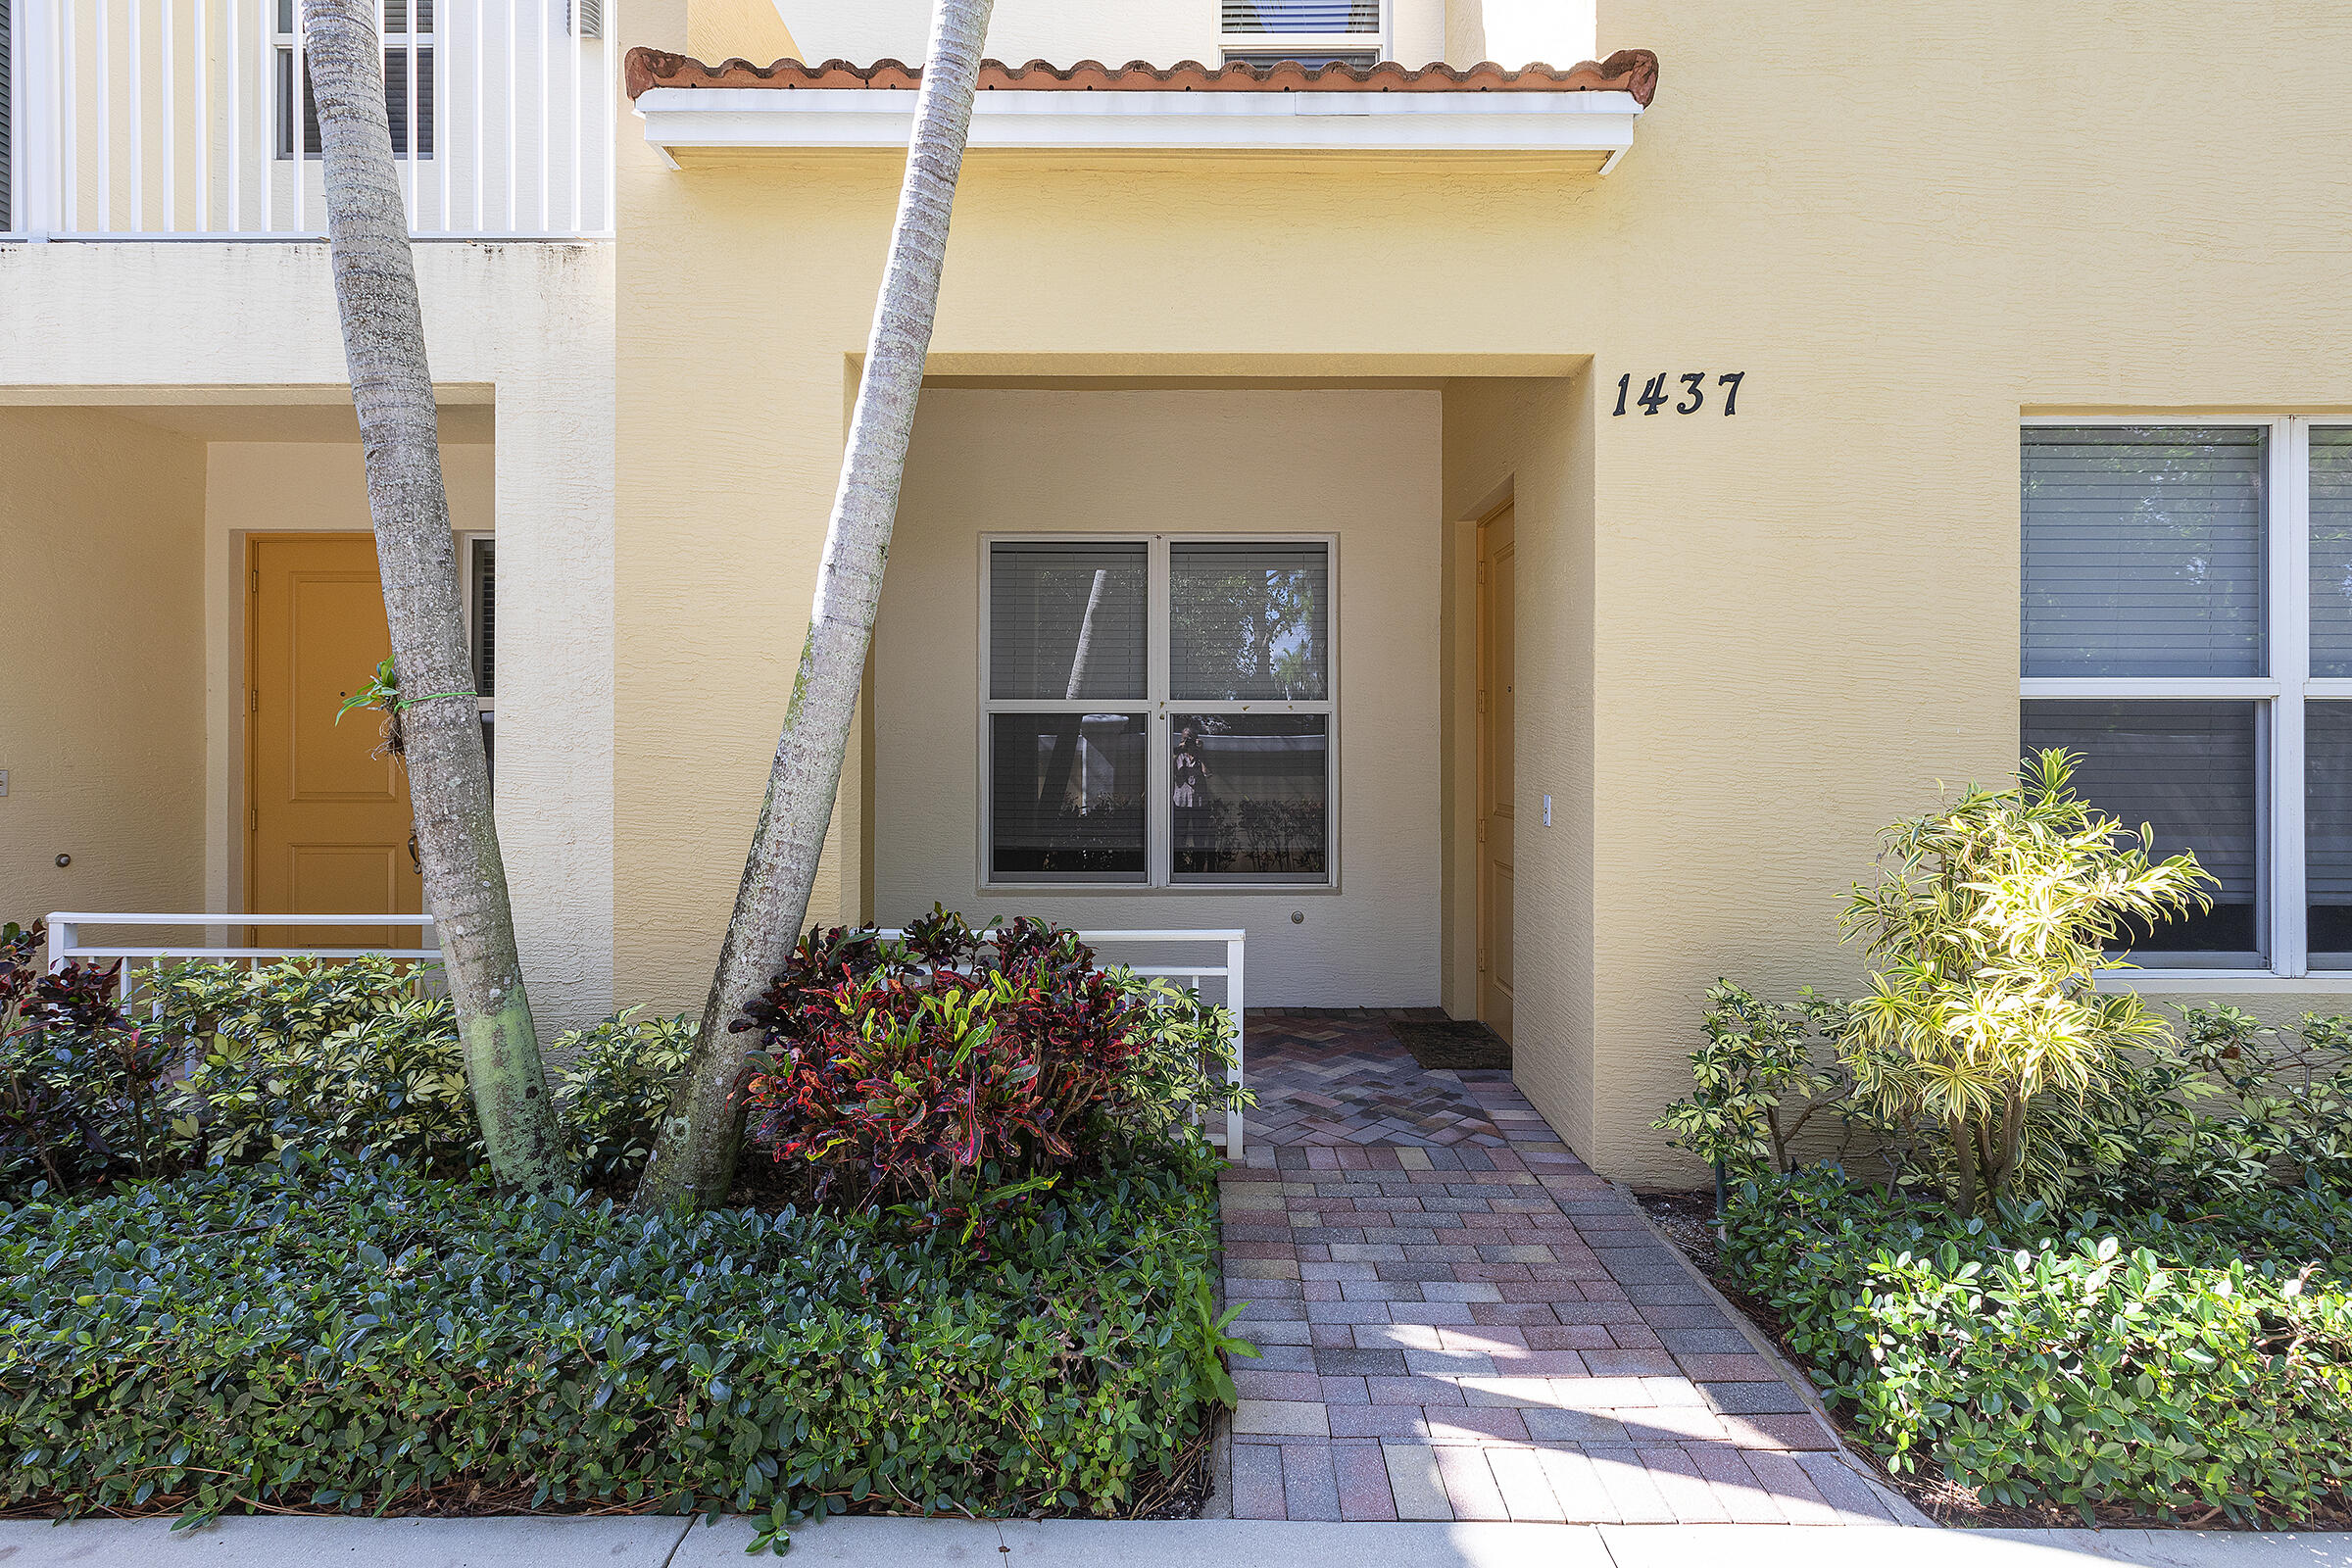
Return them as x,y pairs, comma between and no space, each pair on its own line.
300,1334
618,1076
1762,1077
81,1089
354,1057
2151,1362
1991,919
956,1076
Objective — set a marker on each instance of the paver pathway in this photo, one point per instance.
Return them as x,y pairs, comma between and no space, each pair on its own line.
1332,1078
1495,1332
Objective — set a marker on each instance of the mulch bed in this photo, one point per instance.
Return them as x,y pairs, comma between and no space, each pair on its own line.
1689,1221
1453,1045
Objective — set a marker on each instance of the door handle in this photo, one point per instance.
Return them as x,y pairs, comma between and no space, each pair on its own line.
414,859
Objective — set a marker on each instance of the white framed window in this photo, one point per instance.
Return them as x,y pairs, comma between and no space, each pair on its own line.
1158,711
406,27
2187,629
1313,33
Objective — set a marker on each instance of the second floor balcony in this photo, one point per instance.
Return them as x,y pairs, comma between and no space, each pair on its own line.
193,119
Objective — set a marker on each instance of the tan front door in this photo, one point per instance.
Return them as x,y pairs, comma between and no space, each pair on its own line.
1497,579
328,822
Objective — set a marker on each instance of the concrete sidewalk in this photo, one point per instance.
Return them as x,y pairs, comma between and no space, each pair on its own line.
653,1543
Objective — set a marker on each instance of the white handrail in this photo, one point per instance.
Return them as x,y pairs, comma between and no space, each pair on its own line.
66,944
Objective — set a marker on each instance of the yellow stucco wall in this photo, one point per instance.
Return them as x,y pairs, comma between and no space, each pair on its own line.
101,716
1747,643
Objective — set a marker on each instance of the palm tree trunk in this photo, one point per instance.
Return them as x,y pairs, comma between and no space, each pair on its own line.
693,1156
448,778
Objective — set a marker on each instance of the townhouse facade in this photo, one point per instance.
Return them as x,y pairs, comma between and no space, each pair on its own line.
1805,405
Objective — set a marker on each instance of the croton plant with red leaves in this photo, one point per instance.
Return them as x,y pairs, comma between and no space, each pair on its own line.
951,1075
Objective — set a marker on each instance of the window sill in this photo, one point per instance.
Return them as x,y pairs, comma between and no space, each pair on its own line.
2215,981
1212,890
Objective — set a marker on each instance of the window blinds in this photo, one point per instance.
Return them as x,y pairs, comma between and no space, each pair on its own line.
2143,550
2331,553
1302,16
2186,770
1249,622
1066,621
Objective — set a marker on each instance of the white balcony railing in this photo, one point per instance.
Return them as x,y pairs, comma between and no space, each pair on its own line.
68,945
192,119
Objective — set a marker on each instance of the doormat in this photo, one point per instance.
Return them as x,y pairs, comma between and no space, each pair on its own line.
1456,1044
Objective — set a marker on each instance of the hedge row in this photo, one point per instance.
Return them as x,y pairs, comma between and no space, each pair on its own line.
2145,1364
368,1340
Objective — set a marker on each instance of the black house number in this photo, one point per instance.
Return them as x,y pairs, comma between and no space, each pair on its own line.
1693,397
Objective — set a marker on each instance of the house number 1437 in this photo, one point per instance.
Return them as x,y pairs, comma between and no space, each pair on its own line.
1656,395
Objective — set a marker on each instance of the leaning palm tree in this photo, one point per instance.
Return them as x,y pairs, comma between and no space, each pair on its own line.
433,703
693,1156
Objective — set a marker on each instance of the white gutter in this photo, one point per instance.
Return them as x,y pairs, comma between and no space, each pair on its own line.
815,118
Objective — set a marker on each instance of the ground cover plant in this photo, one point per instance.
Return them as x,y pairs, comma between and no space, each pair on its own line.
2036,1240
312,1335
252,1257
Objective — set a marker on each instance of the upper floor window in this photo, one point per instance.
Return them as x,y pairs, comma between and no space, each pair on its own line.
1313,33
406,31
2187,629
1158,712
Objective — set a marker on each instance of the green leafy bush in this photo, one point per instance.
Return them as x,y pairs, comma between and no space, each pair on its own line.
1990,919
307,1334
1762,1077
2150,1362
618,1076
957,1075
355,1057
230,1065
79,1086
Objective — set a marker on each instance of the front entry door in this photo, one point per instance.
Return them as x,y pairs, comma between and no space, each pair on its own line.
328,820
1497,579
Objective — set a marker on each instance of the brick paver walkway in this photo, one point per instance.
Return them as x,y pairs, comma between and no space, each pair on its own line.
1332,1078
1495,1332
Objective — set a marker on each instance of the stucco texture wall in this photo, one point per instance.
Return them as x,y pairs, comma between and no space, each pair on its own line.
1359,464
101,716
221,334
1905,225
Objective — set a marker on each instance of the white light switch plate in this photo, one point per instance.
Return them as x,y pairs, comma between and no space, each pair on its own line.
1547,810
3,781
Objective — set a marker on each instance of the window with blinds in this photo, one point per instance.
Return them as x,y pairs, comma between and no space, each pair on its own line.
410,81
1301,16
1159,713
2186,630
2143,550
7,127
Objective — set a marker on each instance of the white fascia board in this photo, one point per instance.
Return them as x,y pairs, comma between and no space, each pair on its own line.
713,119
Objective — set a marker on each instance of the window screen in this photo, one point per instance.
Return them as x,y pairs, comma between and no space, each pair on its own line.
1066,621
2331,553
1301,16
2143,550
2186,770
1249,796
485,616
1068,792
2327,833
1248,621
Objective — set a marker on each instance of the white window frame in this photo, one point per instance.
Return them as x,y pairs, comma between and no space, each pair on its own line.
1379,42
2279,696
1158,708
